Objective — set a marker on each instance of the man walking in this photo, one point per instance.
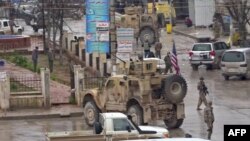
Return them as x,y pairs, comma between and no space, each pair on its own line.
35,58
168,64
209,118
202,93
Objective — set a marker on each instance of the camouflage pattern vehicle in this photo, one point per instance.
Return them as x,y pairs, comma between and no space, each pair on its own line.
146,26
139,91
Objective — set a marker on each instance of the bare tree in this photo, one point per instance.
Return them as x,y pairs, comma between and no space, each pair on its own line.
239,11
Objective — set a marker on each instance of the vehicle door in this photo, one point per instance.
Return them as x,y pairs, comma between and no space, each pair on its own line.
219,48
201,52
247,54
112,92
123,129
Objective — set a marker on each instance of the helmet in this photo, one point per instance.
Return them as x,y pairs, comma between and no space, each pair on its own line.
201,78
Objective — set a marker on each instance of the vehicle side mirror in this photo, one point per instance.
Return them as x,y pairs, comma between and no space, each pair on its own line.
128,128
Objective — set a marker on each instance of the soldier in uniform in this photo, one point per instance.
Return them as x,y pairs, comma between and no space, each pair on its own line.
216,29
202,93
158,47
209,118
146,47
168,64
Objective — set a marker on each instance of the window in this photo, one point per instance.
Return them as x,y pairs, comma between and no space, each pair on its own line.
5,24
121,125
220,46
149,66
110,84
202,47
233,56
224,45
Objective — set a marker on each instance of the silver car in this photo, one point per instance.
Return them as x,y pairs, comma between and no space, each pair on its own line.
207,53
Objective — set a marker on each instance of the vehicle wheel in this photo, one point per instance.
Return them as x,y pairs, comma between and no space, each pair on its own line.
91,113
147,34
174,88
194,67
173,123
226,77
137,114
161,20
243,77
19,32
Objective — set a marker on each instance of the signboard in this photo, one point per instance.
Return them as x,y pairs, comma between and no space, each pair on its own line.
122,56
125,46
97,17
125,38
102,31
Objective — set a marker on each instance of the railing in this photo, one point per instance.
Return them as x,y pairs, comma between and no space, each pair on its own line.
25,83
94,82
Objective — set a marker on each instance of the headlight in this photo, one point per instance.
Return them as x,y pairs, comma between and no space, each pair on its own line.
165,135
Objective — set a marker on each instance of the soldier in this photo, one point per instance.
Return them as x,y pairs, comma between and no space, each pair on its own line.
202,93
35,58
209,118
216,29
168,64
158,47
146,47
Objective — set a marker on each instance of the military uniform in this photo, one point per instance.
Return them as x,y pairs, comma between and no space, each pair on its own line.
209,118
168,64
216,29
158,47
202,93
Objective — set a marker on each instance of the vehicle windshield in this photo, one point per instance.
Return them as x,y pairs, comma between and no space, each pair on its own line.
202,47
233,56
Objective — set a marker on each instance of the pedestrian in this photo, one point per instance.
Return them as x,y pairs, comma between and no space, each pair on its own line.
188,22
35,58
146,47
202,93
209,118
51,60
168,64
158,47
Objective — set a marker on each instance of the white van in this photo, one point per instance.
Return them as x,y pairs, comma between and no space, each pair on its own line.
236,62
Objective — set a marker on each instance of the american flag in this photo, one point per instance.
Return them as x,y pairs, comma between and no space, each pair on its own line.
174,60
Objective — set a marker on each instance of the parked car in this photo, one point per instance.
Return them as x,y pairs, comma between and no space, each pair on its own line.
236,62
208,53
5,27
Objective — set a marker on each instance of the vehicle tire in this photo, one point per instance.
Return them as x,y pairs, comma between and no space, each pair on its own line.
226,77
174,123
147,33
195,67
137,114
243,77
91,113
161,20
19,32
174,88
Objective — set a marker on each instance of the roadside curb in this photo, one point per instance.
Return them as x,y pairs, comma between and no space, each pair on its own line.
184,34
41,116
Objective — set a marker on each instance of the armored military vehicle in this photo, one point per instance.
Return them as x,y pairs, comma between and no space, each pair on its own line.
146,26
137,90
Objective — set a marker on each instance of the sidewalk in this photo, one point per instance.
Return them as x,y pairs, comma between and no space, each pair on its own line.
53,112
195,33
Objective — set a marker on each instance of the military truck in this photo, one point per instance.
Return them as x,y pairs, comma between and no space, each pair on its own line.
137,90
145,26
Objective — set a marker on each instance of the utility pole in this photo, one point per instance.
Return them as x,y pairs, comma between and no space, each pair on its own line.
113,41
